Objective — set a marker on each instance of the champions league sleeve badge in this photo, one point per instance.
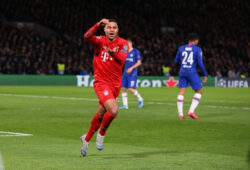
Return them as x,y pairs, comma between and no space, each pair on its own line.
125,47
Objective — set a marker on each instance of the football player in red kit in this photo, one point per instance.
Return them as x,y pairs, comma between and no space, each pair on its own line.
110,54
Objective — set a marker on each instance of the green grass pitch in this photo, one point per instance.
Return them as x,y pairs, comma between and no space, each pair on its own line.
147,138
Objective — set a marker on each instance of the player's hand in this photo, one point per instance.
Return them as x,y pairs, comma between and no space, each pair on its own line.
103,22
111,52
129,70
205,79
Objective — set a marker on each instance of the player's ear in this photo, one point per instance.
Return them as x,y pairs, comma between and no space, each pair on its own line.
117,26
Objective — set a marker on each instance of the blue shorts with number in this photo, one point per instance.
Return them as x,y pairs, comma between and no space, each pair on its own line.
192,78
129,81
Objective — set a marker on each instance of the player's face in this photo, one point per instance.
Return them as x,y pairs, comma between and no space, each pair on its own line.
130,44
111,30
196,42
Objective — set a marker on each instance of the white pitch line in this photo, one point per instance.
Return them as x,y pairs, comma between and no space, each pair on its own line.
6,134
220,101
48,97
91,99
1,162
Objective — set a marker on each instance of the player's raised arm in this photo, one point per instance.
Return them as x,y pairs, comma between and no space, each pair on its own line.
201,65
89,35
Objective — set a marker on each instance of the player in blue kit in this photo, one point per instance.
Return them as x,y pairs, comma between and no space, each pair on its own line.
188,57
129,77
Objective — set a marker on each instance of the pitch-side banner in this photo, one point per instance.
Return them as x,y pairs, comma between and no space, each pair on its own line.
87,81
145,81
232,82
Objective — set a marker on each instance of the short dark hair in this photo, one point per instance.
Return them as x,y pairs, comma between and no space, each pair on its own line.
193,36
113,20
130,40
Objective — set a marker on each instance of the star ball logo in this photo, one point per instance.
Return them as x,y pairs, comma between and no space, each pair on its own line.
171,82
106,93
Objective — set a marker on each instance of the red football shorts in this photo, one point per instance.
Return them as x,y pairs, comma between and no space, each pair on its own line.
105,92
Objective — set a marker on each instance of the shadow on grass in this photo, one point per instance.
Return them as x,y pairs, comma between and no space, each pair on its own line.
135,155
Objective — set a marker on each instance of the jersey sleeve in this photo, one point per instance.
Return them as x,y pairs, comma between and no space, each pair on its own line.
121,55
200,62
177,57
90,35
138,55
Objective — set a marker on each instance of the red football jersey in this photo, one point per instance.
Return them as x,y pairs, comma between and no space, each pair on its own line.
107,68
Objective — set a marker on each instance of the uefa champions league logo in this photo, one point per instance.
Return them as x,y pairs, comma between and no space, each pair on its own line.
221,83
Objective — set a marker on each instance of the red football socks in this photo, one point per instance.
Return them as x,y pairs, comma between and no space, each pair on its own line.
107,119
95,124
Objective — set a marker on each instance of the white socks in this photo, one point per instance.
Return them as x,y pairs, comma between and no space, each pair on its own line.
138,95
125,99
180,100
195,102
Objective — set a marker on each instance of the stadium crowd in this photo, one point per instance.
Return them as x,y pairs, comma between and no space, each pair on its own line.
157,28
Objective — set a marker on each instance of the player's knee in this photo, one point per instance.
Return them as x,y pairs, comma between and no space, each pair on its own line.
131,90
199,91
124,90
100,114
114,111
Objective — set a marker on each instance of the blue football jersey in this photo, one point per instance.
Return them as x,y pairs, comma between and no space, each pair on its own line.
188,56
132,58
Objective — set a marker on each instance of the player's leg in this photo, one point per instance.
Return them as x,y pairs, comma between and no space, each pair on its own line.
124,98
124,93
132,89
95,124
183,84
196,84
112,110
180,100
136,94
103,92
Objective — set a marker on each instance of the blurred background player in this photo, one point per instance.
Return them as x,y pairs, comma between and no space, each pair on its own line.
188,56
129,77
110,54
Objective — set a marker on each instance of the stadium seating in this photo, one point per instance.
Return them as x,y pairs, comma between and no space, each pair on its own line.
156,27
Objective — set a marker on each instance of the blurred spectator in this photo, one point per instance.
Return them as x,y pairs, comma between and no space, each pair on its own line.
166,70
231,73
157,28
60,68
218,73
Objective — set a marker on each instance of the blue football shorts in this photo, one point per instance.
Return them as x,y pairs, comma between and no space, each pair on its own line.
129,81
192,79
